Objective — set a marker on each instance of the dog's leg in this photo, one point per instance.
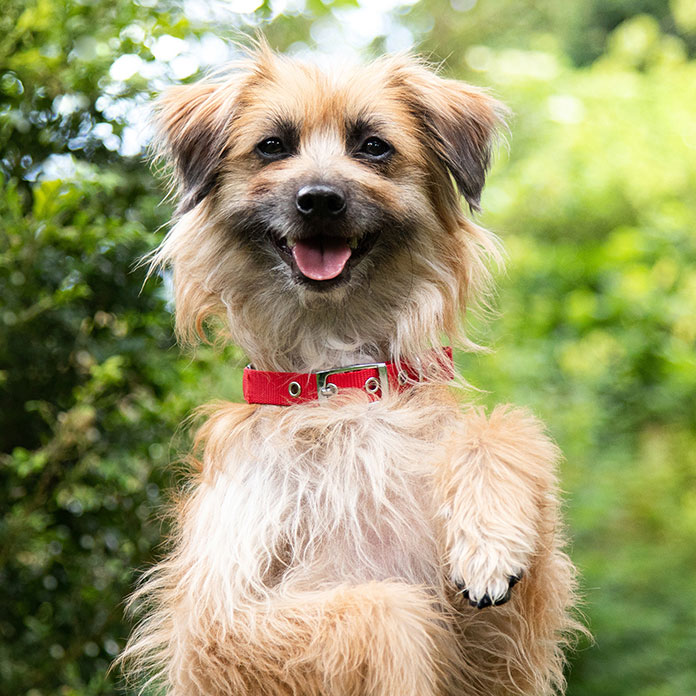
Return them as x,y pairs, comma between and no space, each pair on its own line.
497,484
502,525
377,639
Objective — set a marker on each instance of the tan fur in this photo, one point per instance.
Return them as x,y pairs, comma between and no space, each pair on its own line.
318,548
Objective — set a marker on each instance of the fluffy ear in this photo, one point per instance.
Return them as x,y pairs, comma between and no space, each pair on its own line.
193,123
461,123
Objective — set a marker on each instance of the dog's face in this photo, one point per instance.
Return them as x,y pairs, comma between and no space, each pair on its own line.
313,197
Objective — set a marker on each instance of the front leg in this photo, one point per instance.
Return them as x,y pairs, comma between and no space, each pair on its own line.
497,487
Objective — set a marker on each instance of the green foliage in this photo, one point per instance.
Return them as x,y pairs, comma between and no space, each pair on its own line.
582,29
597,207
85,369
596,204
90,397
92,388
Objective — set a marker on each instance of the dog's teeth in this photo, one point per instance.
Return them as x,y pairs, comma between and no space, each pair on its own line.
290,243
353,242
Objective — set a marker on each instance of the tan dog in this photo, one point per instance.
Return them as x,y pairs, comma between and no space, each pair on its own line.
350,545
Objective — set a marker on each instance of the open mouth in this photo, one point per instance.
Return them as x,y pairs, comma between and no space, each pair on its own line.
323,258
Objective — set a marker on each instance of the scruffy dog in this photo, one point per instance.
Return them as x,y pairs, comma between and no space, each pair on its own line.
348,532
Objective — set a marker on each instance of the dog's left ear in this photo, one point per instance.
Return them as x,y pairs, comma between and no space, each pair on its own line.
460,122
192,123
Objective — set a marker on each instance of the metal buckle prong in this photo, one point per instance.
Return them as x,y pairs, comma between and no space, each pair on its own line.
324,390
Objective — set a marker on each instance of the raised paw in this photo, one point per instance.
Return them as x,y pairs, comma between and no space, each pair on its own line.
485,571
486,600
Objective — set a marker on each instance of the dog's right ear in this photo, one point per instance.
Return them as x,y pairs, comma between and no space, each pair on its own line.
192,123
459,121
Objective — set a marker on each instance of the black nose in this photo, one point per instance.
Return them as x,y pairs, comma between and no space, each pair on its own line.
319,200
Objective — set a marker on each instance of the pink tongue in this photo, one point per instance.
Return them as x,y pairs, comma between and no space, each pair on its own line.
321,258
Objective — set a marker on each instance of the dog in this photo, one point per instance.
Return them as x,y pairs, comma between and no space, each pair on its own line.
351,530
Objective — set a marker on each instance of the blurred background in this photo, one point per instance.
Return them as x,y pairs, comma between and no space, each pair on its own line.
595,201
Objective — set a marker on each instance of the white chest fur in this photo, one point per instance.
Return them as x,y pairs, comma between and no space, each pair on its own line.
302,497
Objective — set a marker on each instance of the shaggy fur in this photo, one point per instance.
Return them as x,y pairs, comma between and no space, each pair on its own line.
324,548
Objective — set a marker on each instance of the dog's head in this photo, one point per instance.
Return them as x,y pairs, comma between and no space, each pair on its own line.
319,211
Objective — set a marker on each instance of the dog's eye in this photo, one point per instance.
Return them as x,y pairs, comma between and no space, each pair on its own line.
272,147
375,147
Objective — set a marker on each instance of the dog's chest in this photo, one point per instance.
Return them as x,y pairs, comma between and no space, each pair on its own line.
333,495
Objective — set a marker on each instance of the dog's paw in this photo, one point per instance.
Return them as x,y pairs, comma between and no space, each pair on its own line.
485,578
491,598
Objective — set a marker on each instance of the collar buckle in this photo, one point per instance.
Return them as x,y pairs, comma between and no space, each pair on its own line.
326,390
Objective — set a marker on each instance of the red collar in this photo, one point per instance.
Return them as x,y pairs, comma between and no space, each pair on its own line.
377,379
